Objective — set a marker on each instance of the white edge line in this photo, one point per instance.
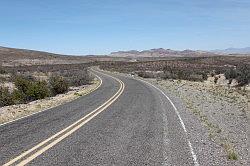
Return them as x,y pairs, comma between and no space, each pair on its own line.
181,121
3,124
179,116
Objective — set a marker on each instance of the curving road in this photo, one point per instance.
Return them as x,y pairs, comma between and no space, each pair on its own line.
124,122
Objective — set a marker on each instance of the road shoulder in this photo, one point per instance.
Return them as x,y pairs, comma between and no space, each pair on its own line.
216,119
217,125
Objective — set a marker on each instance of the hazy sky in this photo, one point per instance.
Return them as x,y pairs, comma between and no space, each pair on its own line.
102,26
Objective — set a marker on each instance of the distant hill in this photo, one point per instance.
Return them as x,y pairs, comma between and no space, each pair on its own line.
14,56
161,52
245,50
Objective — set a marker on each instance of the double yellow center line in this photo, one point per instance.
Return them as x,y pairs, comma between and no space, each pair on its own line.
43,146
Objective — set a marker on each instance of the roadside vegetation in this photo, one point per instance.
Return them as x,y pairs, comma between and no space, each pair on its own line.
31,83
2,71
241,73
192,69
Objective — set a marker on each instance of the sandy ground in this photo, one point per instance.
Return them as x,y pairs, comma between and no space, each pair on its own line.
222,113
13,112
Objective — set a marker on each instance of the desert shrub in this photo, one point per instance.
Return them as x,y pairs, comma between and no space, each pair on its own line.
81,79
77,77
217,71
22,84
191,76
29,90
243,77
195,77
2,71
216,80
144,74
204,75
168,75
58,85
181,74
241,74
5,97
37,90
18,97
231,74
3,79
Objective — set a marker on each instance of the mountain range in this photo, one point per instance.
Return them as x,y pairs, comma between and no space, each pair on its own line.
161,52
11,56
245,50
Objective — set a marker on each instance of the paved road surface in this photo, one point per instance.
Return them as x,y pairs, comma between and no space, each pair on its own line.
137,126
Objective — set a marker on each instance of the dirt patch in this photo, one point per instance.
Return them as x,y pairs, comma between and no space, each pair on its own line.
13,112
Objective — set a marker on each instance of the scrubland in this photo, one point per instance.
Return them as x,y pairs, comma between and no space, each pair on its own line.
28,89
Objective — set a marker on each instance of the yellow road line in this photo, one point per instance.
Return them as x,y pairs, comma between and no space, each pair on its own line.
72,128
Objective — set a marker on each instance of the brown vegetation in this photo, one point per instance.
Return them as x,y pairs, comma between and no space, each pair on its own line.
194,69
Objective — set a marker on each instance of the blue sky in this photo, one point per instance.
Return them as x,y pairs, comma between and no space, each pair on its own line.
101,26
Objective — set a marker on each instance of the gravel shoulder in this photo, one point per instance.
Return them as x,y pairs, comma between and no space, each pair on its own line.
13,112
216,120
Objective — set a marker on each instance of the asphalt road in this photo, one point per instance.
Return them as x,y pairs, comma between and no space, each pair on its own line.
138,127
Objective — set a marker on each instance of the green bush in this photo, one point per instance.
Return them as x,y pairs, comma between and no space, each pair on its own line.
5,97
231,74
37,90
58,85
241,74
29,90
22,84
243,77
18,97
2,71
